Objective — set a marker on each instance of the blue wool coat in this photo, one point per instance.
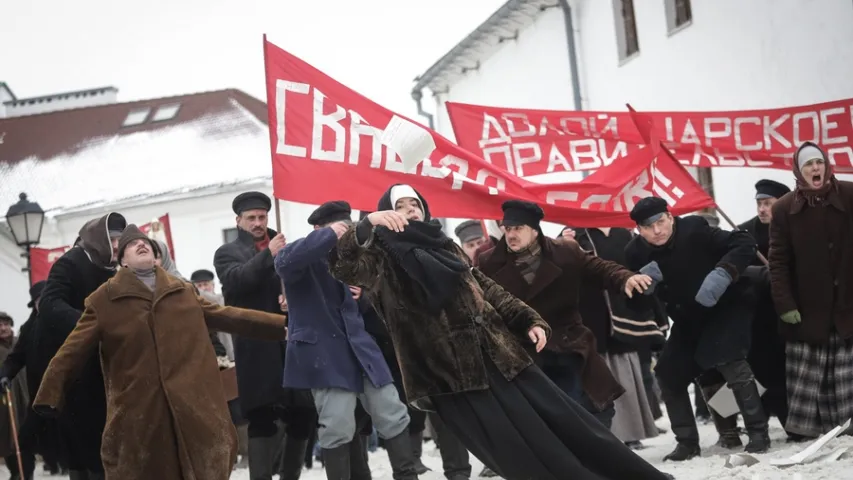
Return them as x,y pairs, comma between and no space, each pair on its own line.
327,345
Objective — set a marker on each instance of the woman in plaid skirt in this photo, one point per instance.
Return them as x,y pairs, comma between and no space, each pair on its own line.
811,269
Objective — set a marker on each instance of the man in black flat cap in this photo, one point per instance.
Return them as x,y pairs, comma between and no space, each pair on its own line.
547,275
697,271
246,272
767,192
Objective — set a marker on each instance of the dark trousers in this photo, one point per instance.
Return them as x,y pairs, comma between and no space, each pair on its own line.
29,461
454,456
565,371
299,422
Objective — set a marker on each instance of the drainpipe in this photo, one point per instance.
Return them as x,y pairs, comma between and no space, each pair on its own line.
573,53
417,96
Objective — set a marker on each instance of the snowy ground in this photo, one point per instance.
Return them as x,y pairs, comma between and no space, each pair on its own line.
709,467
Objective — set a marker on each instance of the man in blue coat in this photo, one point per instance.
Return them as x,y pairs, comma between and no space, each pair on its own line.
330,352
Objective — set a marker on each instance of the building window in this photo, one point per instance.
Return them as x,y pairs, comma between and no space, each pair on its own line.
136,117
166,112
229,235
627,39
679,14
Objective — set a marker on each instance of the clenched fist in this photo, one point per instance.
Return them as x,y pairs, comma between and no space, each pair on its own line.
277,243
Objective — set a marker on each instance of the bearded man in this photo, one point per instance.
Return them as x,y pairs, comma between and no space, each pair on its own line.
461,342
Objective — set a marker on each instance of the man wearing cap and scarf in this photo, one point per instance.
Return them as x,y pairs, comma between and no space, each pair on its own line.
698,273
547,275
247,274
330,352
72,278
811,271
461,340
473,239
167,413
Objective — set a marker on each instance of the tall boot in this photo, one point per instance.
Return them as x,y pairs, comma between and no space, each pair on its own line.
243,446
292,458
726,427
359,466
78,475
683,424
262,452
754,417
337,462
402,457
417,440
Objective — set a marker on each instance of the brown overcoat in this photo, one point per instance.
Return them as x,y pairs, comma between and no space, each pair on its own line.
811,264
445,354
554,294
167,417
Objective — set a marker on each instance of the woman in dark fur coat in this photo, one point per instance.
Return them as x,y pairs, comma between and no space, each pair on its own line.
459,339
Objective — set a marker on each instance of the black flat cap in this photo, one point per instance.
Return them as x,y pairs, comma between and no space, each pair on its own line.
648,210
330,212
251,201
202,276
469,230
770,189
517,212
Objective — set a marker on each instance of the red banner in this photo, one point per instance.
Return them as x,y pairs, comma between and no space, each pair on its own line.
527,142
328,142
42,259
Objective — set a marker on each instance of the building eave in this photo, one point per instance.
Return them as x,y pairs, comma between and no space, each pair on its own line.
502,26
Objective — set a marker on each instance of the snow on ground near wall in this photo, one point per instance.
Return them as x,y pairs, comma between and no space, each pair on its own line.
709,467
225,147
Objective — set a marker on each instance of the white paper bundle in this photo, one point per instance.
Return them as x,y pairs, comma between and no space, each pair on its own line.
412,142
724,403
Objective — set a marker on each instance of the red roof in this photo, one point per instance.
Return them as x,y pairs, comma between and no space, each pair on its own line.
46,135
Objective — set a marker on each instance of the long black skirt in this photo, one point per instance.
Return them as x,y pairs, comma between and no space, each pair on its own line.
528,429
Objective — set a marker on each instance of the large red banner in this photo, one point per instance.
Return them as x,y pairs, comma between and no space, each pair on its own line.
526,142
42,259
329,142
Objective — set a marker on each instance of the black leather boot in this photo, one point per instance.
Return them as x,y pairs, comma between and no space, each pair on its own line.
417,440
262,453
359,466
680,412
337,462
292,458
682,452
726,427
754,417
402,457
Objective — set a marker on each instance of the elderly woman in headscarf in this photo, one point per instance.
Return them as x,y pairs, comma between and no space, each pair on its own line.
811,281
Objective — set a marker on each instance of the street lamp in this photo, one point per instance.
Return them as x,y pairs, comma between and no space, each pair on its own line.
25,220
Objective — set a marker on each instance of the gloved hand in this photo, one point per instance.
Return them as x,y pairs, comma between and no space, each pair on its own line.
652,270
793,317
713,287
5,385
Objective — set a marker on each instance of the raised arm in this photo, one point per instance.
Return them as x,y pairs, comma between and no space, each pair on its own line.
238,276
781,257
519,317
359,261
603,274
244,322
68,362
55,307
295,256
737,248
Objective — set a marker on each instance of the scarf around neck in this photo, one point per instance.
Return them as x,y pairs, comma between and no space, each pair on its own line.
420,250
528,260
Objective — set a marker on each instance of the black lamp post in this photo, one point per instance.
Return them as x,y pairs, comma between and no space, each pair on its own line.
25,220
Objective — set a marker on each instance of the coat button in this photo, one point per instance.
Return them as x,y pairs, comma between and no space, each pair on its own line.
478,319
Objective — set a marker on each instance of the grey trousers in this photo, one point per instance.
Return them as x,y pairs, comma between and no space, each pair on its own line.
336,411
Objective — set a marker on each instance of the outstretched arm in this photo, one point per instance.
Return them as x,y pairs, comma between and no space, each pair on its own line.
295,256
66,365
241,277
519,317
244,322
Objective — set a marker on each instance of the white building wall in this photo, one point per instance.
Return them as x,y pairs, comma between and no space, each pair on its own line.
734,55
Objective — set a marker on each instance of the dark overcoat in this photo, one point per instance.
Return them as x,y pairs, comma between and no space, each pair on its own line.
811,264
555,295
441,354
72,278
721,333
249,280
328,346
167,417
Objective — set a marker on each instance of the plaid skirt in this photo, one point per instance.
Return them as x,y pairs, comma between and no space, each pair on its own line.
820,385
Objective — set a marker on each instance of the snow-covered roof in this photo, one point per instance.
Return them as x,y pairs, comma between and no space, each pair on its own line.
105,154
